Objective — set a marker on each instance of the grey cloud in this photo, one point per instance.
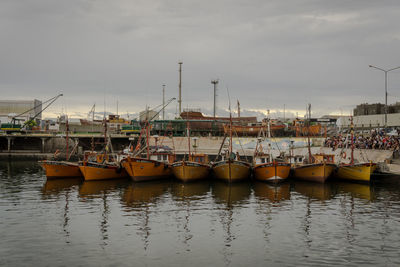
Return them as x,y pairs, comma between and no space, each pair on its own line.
268,53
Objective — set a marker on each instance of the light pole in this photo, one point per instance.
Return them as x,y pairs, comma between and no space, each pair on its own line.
386,72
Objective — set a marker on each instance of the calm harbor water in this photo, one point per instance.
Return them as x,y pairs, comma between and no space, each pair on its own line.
121,223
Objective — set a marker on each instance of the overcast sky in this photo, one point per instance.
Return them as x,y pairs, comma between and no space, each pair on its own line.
268,53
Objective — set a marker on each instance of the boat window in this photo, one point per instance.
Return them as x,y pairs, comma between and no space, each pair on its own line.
165,157
262,160
158,157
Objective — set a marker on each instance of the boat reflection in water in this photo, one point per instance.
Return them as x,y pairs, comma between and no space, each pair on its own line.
230,193
96,188
139,200
188,198
144,194
59,188
319,191
273,192
56,186
182,191
357,190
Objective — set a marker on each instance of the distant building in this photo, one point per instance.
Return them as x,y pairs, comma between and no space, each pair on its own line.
12,108
375,109
369,109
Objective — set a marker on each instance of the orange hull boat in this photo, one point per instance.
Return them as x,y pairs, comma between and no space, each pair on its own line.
60,169
318,172
272,172
95,171
146,169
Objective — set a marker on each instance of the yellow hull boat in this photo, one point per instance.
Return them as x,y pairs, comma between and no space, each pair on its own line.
272,172
318,172
231,170
187,171
146,169
357,172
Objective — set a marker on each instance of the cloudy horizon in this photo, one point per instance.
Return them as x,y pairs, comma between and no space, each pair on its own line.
268,54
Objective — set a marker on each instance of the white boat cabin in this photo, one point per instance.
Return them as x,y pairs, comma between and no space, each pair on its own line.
262,158
163,157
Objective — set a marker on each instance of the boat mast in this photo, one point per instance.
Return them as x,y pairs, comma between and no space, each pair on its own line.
105,138
308,132
230,133
66,137
352,141
147,139
269,125
188,134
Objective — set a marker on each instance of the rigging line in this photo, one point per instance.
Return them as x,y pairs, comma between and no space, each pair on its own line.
240,143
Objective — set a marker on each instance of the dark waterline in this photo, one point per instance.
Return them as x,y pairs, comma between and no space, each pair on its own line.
122,223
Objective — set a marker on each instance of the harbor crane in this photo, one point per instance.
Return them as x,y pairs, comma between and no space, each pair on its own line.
15,125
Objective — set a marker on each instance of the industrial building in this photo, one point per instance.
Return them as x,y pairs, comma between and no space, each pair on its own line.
374,109
370,121
12,108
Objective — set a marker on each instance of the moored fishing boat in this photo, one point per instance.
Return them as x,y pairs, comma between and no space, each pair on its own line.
61,169
231,169
142,169
319,167
187,171
266,168
154,166
102,166
315,172
101,171
274,171
195,168
355,172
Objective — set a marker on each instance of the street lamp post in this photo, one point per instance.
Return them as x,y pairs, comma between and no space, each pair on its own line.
386,72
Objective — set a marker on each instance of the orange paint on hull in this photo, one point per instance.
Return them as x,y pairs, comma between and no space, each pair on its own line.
146,170
187,171
272,172
102,172
231,171
60,169
319,172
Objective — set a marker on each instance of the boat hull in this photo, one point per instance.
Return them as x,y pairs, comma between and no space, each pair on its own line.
358,172
187,171
146,170
231,171
102,172
272,172
60,169
314,172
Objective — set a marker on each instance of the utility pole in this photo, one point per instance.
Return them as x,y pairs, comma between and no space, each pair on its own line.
238,104
215,82
386,94
163,100
180,88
